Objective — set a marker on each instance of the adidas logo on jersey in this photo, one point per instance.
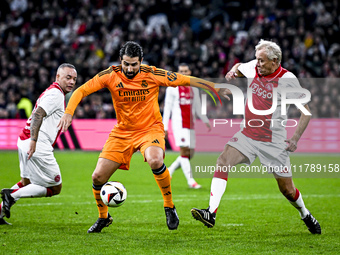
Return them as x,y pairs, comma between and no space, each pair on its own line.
120,85
155,141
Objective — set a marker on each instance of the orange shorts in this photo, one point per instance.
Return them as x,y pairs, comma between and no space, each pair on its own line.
121,144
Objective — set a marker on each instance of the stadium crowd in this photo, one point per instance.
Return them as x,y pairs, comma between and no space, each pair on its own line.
36,36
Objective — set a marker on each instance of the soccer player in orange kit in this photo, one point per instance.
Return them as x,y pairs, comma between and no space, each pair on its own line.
134,89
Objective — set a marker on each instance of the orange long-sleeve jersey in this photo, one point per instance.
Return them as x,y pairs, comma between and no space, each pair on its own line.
135,100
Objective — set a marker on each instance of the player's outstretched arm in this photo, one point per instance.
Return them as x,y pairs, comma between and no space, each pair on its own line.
86,89
234,72
301,127
225,92
37,119
65,122
204,84
197,108
231,75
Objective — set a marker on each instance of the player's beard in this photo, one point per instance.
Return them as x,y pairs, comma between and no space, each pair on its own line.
130,75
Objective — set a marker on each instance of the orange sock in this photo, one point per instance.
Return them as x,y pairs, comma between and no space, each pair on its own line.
163,181
102,208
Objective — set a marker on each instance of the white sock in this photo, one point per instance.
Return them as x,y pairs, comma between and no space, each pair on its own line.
175,165
300,205
217,190
31,190
15,186
186,168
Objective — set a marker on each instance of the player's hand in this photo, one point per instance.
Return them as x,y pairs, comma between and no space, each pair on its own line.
166,135
225,92
231,75
65,122
291,145
31,149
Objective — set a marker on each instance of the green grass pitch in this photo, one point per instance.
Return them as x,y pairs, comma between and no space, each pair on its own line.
253,217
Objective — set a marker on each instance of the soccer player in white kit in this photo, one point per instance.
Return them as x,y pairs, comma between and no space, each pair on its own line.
39,170
268,142
183,104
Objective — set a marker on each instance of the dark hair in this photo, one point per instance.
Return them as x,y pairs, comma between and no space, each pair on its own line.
183,64
131,49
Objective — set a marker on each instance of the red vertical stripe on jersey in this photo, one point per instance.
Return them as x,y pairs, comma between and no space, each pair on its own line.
257,127
185,100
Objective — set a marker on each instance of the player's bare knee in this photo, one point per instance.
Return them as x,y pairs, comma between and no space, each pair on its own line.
185,152
96,179
53,191
155,162
25,181
56,191
222,161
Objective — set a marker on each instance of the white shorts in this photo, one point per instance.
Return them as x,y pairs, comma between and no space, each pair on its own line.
42,168
271,155
184,137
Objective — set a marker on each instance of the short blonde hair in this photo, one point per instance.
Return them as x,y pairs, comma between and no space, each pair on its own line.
272,49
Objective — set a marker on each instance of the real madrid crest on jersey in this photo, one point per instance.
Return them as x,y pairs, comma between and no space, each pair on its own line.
144,84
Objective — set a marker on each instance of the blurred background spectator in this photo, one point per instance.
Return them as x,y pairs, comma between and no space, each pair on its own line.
36,36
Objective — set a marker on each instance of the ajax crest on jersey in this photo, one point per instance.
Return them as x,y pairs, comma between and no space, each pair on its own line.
113,194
